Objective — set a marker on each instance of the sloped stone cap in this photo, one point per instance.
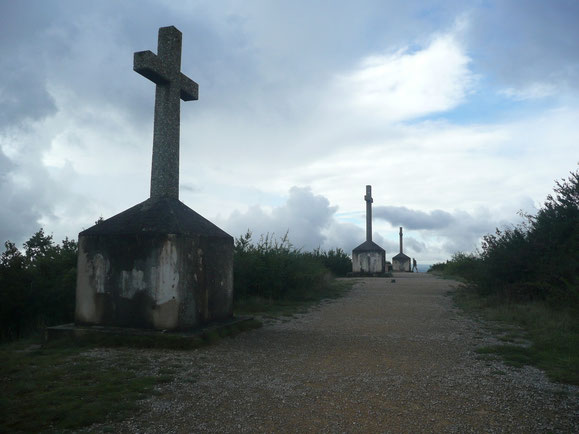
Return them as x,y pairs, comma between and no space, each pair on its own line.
401,256
161,215
368,246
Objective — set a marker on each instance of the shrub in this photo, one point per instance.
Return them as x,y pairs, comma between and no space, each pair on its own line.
36,288
439,267
273,269
335,260
536,260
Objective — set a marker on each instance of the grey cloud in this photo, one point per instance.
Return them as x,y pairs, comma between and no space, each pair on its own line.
5,167
415,245
23,93
309,220
457,231
522,43
468,228
21,207
344,235
305,216
413,219
18,219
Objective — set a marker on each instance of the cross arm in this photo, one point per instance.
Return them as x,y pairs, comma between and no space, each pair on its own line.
188,88
148,65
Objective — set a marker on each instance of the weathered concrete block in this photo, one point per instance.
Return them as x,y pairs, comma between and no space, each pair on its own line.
158,265
401,262
369,257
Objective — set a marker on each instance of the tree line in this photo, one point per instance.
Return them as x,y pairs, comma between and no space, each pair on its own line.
535,260
37,285
273,269
37,282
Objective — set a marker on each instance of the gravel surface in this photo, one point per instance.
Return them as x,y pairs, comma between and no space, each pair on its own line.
388,357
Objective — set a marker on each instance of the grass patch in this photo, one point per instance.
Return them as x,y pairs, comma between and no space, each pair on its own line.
553,335
59,387
153,340
272,308
512,355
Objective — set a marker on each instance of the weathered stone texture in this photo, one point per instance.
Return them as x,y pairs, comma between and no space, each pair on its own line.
158,264
369,257
143,275
401,262
164,69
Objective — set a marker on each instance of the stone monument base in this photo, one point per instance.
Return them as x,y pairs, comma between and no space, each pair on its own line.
158,265
367,274
151,338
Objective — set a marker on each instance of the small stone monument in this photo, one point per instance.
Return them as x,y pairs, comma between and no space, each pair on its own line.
401,262
368,258
159,264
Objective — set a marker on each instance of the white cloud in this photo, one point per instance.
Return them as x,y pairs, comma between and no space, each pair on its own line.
532,91
406,84
306,216
291,94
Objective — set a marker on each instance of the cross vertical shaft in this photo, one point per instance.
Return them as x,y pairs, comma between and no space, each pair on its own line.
401,240
166,130
164,69
369,200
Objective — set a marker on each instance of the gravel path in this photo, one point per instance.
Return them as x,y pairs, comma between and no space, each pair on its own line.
388,357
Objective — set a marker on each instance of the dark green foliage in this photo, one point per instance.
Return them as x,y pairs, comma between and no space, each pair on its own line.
528,275
536,260
273,269
464,265
335,260
541,335
439,267
37,284
37,287
59,387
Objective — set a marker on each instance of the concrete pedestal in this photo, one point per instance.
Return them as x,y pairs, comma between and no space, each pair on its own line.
158,265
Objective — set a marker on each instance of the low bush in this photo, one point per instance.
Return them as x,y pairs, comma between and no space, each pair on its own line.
37,283
37,287
537,260
272,269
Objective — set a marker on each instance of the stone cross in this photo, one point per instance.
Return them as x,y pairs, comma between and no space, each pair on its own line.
164,69
369,200
401,239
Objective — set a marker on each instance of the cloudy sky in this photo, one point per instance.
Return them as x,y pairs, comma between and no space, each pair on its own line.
459,114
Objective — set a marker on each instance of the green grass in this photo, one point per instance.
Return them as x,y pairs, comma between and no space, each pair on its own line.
60,387
534,334
289,307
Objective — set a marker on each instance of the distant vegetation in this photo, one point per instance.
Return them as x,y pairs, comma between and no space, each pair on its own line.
529,274
536,260
66,389
273,269
37,283
272,275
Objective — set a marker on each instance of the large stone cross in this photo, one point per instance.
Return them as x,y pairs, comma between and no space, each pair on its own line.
369,200
164,68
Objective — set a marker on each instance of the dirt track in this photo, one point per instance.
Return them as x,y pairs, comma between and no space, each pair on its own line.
389,357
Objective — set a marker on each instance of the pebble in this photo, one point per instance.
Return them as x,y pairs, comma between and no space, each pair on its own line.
384,358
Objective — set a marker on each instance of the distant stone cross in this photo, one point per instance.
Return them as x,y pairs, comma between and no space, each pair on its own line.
164,68
369,200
